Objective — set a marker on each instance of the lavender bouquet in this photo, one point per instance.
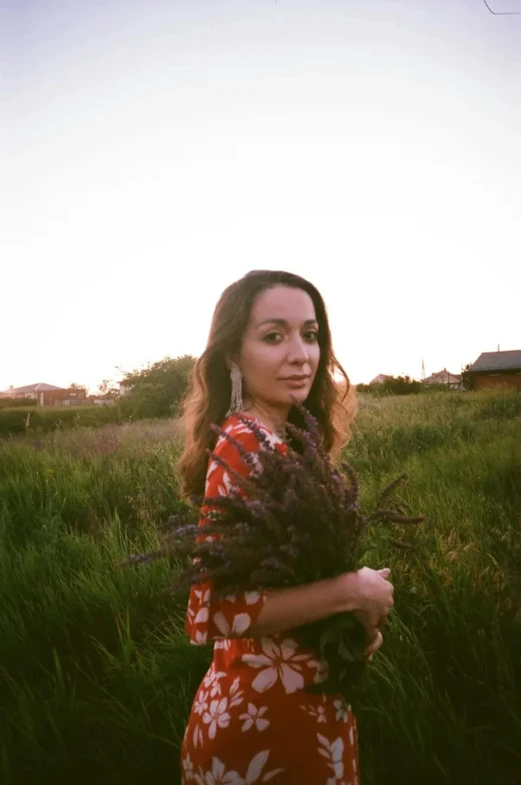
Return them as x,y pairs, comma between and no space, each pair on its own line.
296,519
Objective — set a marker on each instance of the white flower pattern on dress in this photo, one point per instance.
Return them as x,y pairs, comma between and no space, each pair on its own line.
203,595
252,597
201,702
317,712
213,466
226,486
217,716
219,776
254,718
236,695
256,766
212,679
239,625
200,613
203,615
188,767
342,710
254,774
333,751
200,638
198,737
279,662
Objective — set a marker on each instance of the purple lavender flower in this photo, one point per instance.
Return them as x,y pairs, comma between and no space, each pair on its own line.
295,520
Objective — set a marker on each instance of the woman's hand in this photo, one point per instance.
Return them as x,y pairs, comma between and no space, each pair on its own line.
369,595
374,645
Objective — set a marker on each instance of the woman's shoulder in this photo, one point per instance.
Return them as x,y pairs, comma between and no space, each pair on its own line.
240,437
235,442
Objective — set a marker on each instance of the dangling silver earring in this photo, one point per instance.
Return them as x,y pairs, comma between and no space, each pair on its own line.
236,404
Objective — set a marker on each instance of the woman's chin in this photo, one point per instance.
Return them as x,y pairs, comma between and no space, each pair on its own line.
298,396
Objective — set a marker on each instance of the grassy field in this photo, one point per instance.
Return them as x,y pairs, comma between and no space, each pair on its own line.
34,421
97,677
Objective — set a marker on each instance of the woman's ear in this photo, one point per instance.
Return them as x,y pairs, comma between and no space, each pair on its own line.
231,361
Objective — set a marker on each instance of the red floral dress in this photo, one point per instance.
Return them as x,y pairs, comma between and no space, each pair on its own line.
251,720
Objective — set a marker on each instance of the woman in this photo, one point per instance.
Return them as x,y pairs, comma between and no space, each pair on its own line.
252,720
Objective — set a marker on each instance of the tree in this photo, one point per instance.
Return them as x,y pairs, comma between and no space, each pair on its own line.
402,385
107,389
158,389
466,378
77,391
393,385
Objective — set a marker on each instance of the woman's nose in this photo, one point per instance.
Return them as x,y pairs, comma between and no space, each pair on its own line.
298,351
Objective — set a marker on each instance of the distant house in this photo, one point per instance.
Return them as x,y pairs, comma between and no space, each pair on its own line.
496,369
47,394
6,393
380,379
445,378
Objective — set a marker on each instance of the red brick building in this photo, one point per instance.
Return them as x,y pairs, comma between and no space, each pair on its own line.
493,370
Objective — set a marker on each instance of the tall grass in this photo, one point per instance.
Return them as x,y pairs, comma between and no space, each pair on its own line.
19,419
97,676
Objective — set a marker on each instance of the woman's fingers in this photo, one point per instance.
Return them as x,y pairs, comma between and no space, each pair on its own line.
377,639
375,644
382,620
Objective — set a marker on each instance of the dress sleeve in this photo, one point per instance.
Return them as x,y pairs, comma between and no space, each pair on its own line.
209,617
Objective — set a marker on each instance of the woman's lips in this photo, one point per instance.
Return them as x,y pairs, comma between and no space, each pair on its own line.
296,381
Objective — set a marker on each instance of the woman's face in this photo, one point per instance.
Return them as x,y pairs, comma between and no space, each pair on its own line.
280,351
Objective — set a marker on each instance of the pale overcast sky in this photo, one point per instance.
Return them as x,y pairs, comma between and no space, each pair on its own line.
158,151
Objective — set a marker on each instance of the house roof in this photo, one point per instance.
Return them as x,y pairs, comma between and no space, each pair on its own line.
379,379
443,377
498,361
40,387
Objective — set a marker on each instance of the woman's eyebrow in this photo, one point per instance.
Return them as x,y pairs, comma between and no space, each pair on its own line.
283,322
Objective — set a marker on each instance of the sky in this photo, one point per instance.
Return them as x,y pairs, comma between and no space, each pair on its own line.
155,152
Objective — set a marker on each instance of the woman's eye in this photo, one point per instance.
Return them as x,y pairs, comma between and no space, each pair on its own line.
272,337
311,336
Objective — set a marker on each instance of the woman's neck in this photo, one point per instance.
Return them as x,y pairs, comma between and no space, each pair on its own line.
273,419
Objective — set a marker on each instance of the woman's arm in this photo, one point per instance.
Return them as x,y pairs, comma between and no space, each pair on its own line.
258,614
367,593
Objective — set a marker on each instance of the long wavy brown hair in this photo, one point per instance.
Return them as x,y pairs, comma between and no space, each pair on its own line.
331,400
